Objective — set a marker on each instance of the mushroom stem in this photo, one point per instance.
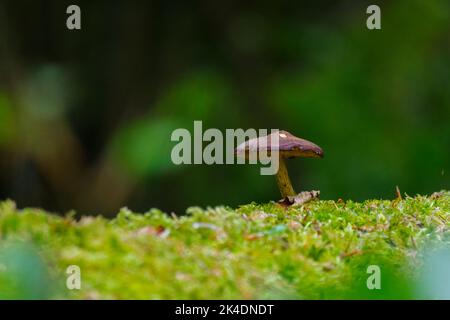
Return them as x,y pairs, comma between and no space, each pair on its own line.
284,183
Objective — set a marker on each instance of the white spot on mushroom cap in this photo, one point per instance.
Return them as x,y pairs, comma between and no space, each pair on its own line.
283,135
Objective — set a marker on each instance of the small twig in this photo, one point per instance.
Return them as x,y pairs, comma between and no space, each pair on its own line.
399,194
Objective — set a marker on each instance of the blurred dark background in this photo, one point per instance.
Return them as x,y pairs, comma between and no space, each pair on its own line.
86,116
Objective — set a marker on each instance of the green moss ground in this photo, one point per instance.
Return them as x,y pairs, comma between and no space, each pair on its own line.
320,250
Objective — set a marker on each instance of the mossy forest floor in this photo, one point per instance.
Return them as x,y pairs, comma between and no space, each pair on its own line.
321,250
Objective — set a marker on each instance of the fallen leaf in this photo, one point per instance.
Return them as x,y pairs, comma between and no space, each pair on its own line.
300,199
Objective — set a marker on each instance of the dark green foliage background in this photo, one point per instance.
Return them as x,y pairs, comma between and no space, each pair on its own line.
86,116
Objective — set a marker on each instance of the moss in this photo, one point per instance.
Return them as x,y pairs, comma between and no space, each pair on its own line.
320,250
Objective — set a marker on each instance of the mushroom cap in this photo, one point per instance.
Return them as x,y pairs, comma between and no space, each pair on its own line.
289,146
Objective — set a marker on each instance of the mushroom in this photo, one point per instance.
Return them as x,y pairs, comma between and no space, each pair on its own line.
289,146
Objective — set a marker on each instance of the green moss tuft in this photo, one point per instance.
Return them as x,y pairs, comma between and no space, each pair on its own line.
320,250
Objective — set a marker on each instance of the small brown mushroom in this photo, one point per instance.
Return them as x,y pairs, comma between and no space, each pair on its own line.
289,146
